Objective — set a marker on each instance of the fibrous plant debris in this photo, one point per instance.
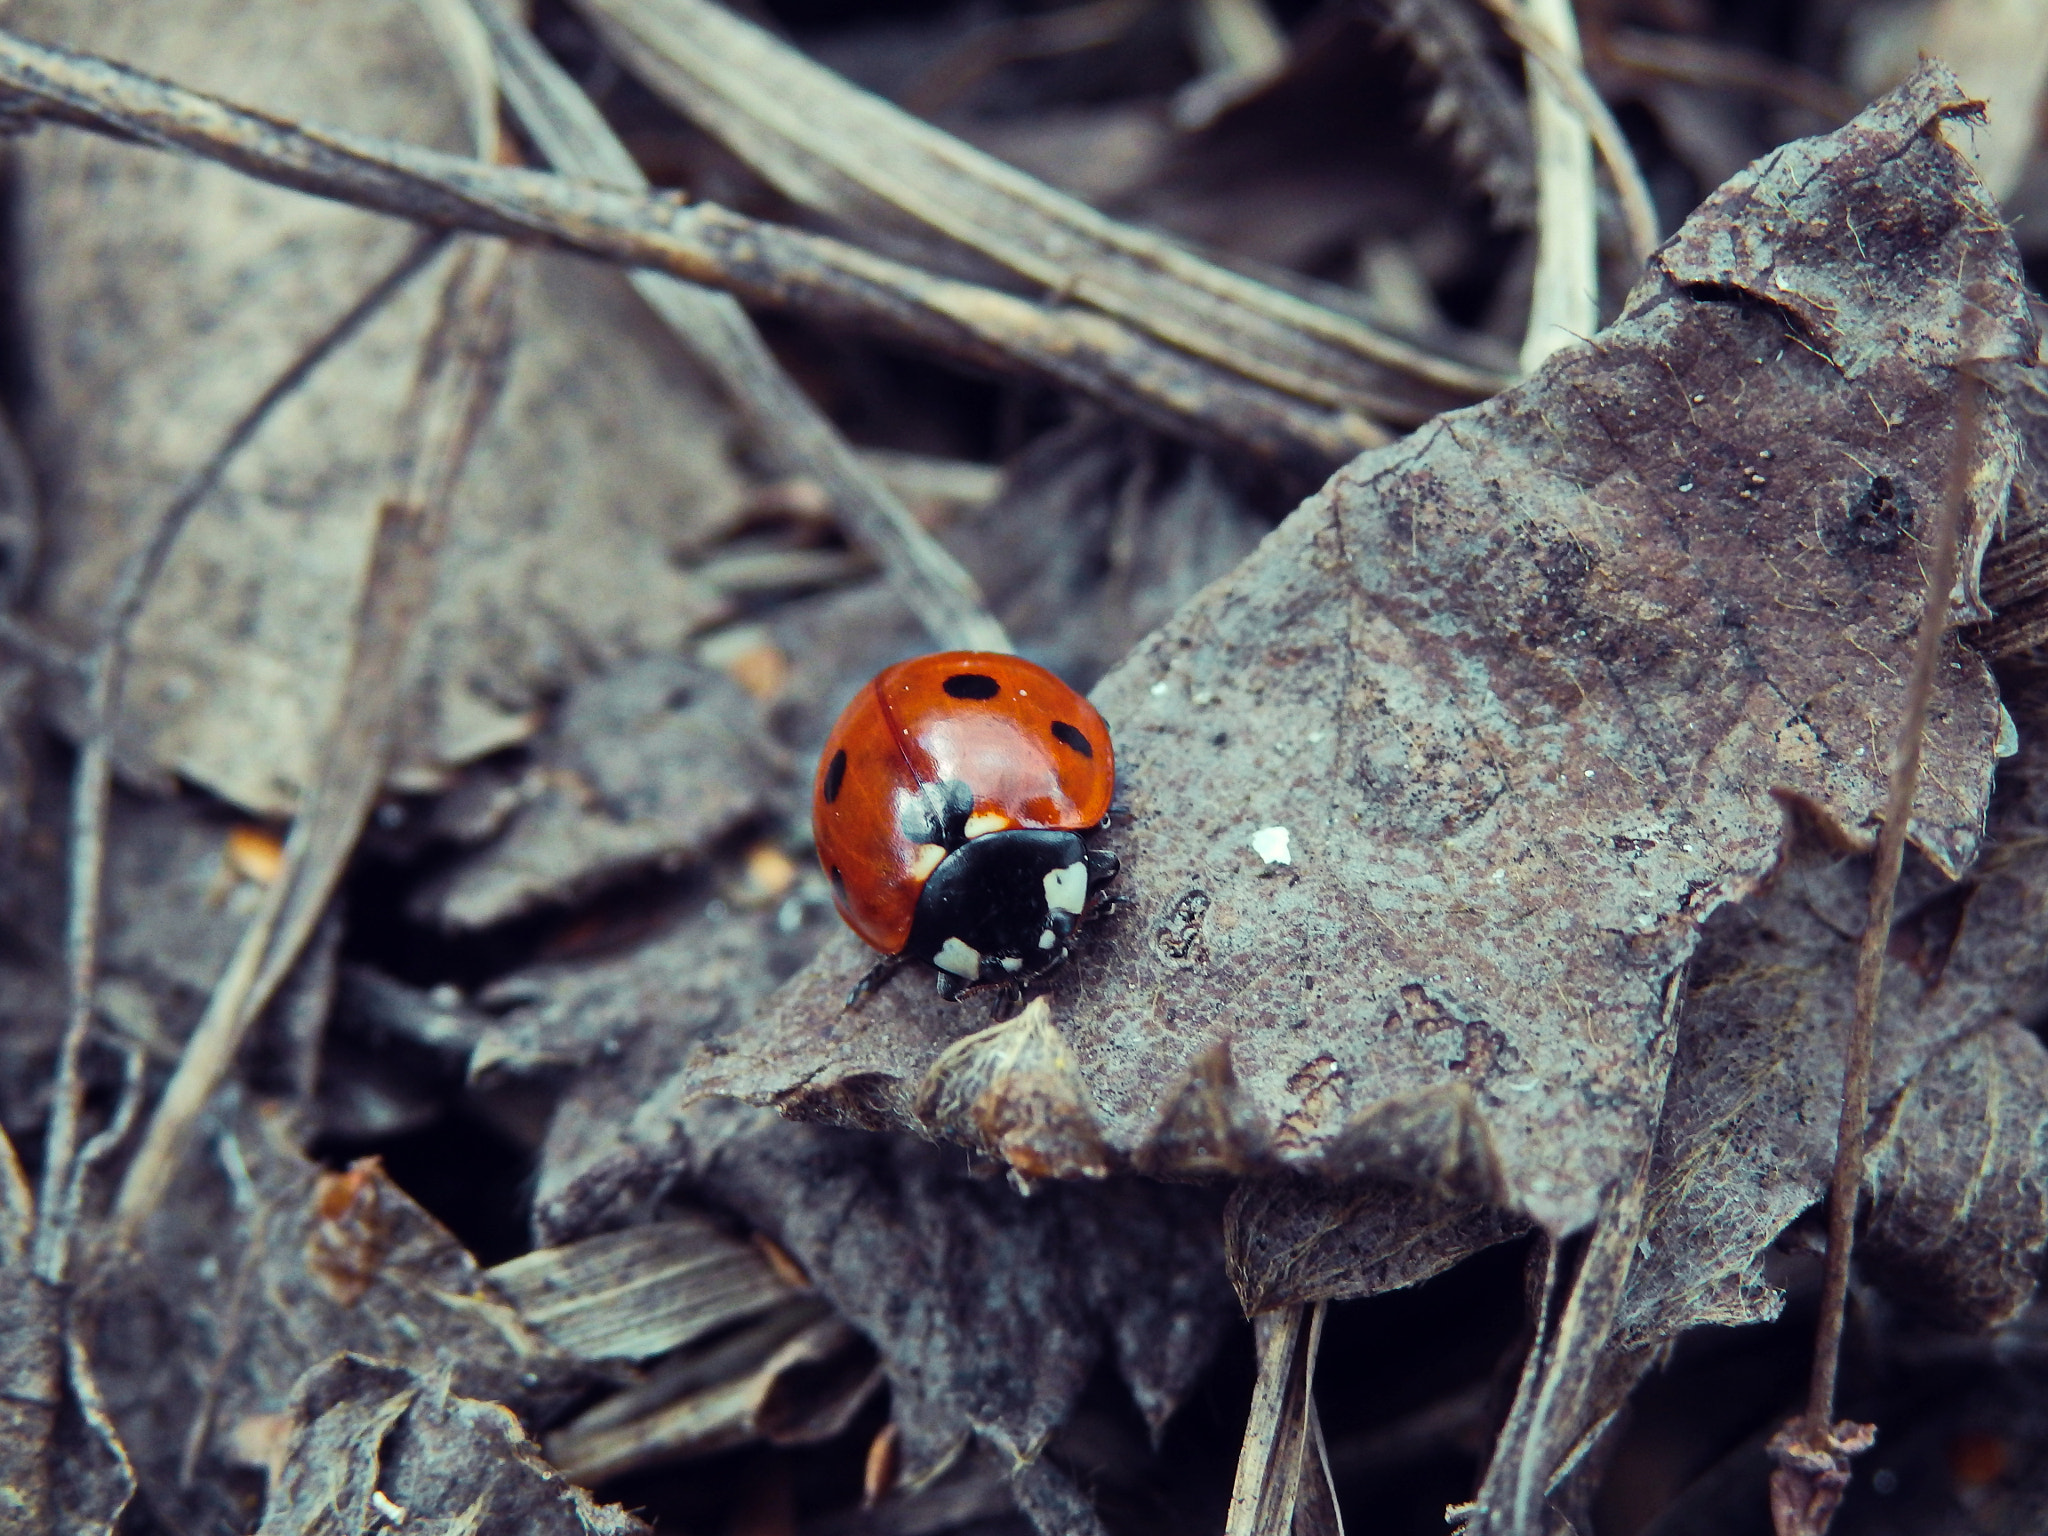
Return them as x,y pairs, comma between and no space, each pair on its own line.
1495,830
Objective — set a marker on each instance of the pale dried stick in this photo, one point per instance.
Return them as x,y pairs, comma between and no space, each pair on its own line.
93,776
1567,77
1241,49
1279,1437
1564,309
1205,400
575,139
848,154
461,370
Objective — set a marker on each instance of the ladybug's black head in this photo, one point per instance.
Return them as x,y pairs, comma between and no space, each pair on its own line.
1000,907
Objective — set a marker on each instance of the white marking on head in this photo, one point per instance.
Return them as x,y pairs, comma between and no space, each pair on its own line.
1066,890
984,822
929,856
1012,964
1047,939
963,960
1270,844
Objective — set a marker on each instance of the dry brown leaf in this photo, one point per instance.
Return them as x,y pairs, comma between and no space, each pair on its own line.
258,1266
377,1447
1523,690
1748,1139
608,458
990,1308
646,767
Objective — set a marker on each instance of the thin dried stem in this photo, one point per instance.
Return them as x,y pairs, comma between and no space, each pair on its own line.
1847,1181
575,139
853,157
1567,77
93,778
1814,1452
52,657
1719,66
461,370
1564,306
1306,423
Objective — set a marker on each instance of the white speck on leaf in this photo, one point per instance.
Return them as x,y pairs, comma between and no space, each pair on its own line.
1270,844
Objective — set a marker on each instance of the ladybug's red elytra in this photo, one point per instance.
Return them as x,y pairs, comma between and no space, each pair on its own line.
949,809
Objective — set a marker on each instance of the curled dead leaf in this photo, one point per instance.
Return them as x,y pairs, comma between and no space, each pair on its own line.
1525,690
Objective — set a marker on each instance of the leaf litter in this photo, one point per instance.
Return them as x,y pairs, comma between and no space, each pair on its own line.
1422,1125
1525,688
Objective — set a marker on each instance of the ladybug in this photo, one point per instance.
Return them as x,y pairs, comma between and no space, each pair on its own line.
950,806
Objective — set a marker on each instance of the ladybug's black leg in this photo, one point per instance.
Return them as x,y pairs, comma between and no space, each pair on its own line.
876,978
951,986
1102,867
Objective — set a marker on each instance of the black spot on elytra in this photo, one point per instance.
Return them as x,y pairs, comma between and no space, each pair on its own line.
835,775
971,685
839,885
1070,736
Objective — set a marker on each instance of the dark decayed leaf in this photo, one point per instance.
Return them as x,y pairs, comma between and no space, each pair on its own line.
259,1265
1522,691
643,768
623,1028
990,1308
377,1447
62,1469
1957,1170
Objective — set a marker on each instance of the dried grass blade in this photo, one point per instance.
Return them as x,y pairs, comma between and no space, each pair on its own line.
1277,1437
460,372
1202,401
835,148
93,777
576,140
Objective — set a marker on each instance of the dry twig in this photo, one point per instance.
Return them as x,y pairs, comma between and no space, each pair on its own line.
1192,397
461,369
1564,307
576,140
1283,1441
854,157
1813,1453
1563,74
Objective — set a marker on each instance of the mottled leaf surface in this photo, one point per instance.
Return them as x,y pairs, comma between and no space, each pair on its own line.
1960,1211
258,1266
376,1447
1524,689
990,1308
642,769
